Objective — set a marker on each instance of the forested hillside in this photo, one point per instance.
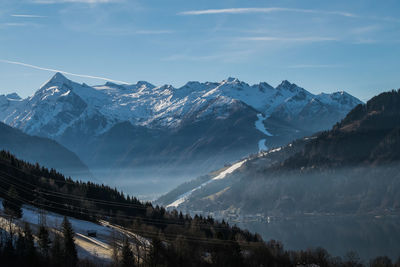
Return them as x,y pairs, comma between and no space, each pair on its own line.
351,169
177,239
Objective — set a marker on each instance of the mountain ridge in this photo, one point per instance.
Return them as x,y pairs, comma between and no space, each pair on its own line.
189,130
350,169
42,150
161,100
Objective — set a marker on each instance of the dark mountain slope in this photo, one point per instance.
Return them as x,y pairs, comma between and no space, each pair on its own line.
42,150
197,146
369,133
352,169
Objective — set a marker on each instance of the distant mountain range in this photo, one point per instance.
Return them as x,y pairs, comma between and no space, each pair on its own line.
351,169
141,130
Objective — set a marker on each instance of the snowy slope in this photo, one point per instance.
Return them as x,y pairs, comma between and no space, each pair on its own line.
61,104
97,248
222,175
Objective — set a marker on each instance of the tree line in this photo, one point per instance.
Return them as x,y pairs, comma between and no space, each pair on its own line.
175,239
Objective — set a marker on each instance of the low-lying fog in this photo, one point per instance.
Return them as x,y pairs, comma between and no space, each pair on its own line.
369,236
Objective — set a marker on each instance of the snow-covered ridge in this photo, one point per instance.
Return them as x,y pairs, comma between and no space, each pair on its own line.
184,197
61,103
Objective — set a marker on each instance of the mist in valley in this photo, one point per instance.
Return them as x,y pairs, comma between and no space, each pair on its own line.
343,209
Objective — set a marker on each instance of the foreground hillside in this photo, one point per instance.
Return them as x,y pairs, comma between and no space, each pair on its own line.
142,131
351,169
156,237
98,249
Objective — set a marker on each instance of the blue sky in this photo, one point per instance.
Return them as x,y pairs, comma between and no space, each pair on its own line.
319,45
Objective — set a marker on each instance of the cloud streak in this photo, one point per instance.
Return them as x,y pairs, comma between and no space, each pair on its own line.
14,24
313,66
27,16
250,10
289,39
74,1
60,71
155,32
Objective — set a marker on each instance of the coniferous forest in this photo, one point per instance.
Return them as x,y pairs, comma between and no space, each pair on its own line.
176,239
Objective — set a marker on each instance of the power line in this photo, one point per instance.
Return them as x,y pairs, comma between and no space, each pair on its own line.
171,236
119,217
86,198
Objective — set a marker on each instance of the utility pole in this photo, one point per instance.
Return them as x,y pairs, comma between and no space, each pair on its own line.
39,201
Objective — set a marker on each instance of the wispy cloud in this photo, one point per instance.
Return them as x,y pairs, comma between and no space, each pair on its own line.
231,56
60,71
367,41
27,16
153,32
180,57
124,31
74,1
313,66
263,10
289,39
365,29
14,24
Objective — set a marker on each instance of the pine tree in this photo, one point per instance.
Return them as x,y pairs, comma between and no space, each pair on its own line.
56,251
12,205
25,249
155,253
29,243
12,208
44,241
127,254
20,246
70,253
115,252
9,250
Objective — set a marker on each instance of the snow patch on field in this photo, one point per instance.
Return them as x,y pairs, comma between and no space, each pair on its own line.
96,248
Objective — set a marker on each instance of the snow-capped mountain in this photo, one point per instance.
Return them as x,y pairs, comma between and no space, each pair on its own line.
121,126
60,103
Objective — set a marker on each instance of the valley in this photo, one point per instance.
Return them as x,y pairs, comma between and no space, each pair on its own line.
199,133
152,138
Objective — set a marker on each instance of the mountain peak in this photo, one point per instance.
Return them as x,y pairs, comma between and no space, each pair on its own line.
13,96
144,83
58,77
285,84
57,80
193,85
231,80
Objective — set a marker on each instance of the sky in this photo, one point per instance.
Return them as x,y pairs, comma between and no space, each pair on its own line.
322,46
